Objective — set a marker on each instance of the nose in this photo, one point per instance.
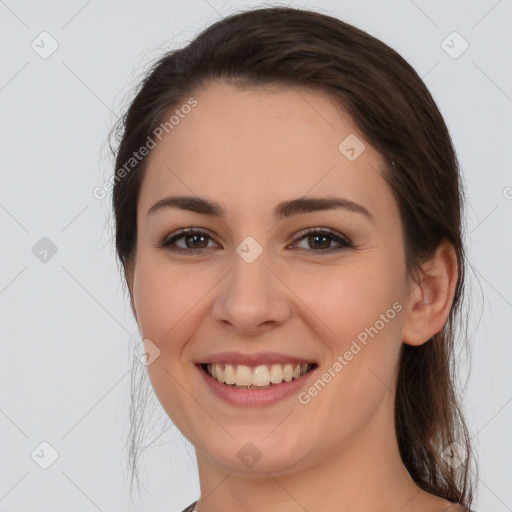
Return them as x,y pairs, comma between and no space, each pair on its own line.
252,298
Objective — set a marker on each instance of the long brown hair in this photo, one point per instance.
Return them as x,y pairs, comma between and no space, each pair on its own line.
396,113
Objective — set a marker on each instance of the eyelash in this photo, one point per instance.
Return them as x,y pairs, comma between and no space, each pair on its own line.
344,242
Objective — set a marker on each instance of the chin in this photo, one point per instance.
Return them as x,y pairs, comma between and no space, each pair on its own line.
257,454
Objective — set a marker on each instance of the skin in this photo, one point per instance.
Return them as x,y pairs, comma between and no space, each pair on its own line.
249,149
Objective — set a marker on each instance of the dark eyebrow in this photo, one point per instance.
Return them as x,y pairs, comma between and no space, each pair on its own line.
282,210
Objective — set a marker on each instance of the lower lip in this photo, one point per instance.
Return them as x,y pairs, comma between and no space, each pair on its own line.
254,397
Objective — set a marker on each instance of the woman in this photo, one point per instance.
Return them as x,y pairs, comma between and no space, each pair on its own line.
288,220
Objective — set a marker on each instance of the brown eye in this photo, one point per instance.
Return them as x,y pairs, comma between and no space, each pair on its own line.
323,241
320,241
194,240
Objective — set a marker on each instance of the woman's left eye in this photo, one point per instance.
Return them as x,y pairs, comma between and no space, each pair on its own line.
322,237
318,239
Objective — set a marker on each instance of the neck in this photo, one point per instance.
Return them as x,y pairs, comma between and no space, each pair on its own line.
366,473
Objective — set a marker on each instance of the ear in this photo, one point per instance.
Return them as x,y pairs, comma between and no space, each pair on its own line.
431,296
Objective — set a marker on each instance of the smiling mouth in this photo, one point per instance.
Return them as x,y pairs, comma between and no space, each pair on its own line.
239,376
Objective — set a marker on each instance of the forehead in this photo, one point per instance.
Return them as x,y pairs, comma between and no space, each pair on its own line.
254,146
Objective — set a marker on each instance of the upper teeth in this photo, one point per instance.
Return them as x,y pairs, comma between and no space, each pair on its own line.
262,375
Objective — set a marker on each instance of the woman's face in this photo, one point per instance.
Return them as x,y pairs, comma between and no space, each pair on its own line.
256,288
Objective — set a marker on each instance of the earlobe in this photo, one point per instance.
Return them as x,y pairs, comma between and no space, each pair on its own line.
431,297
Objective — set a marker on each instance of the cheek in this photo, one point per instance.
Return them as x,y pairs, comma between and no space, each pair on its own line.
167,303
362,309
165,299
349,299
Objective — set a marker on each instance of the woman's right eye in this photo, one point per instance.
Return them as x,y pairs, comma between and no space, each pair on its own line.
193,239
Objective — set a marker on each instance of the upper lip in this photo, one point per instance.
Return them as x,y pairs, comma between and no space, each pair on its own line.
253,359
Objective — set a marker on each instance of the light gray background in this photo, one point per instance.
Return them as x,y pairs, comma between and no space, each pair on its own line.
66,324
